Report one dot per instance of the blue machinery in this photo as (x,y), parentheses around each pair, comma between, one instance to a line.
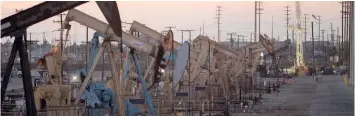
(98,96)
(94,49)
(132,111)
(16,24)
(156,51)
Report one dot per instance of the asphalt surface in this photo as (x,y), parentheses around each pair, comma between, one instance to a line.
(329,97)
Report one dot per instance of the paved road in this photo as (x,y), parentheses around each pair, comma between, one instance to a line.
(330,97)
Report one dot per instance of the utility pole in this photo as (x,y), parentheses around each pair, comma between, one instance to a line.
(319,30)
(200,30)
(315,17)
(170,27)
(341,59)
(218,22)
(255,18)
(323,45)
(203,28)
(287,28)
(338,43)
(87,49)
(61,51)
(30,43)
(345,33)
(25,40)
(244,40)
(332,39)
(293,36)
(259,13)
(231,39)
(348,33)
(44,36)
(287,21)
(319,26)
(61,32)
(272,27)
(189,34)
(305,32)
(313,65)
(238,40)
(182,36)
(189,68)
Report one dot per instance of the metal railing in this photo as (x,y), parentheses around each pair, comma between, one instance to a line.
(63,111)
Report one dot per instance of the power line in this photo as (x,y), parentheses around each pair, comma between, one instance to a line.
(43,32)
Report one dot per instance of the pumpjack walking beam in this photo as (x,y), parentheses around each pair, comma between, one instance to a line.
(26,79)
(35,14)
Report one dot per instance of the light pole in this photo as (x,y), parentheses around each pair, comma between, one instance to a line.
(313,37)
(313,66)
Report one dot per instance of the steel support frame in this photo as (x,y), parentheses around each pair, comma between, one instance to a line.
(19,45)
(144,84)
(35,14)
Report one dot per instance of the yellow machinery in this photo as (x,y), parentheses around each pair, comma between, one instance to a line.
(52,92)
(299,66)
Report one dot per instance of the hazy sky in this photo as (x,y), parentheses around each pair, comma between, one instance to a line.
(237,16)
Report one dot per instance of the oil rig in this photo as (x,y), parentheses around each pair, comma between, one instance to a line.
(183,78)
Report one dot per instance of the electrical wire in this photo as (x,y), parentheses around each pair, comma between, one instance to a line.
(42,32)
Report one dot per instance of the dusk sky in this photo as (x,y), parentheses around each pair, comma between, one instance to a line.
(237,16)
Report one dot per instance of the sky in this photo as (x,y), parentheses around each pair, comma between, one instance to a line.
(237,16)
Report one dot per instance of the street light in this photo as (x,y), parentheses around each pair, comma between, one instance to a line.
(313,66)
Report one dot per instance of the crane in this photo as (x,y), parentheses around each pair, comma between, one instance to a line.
(299,67)
(299,45)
